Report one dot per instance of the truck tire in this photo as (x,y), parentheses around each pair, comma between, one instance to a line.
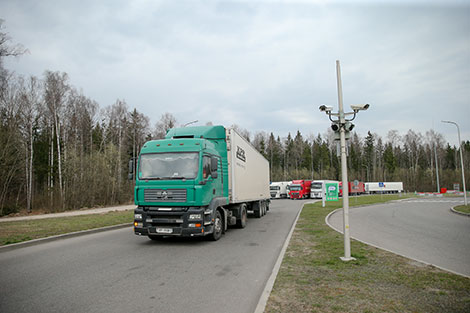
(218,227)
(257,209)
(241,223)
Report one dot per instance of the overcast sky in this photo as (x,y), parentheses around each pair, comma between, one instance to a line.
(264,65)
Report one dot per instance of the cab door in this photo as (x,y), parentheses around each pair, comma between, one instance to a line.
(212,176)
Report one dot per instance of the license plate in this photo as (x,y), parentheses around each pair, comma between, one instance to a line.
(164,230)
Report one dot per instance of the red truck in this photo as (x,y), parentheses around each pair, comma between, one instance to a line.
(300,189)
(353,189)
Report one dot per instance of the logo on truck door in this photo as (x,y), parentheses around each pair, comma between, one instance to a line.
(241,154)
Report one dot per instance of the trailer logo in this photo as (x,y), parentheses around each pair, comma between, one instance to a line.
(241,154)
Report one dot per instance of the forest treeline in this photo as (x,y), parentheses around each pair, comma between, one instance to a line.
(60,150)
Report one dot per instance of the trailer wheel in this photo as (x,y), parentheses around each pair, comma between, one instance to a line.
(241,223)
(218,227)
(257,210)
(263,208)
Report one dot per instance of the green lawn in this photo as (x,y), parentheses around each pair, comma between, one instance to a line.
(13,232)
(463,208)
(312,278)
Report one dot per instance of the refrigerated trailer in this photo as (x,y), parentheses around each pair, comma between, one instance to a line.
(384,187)
(198,181)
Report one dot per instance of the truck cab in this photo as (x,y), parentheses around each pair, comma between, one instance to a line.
(300,189)
(184,185)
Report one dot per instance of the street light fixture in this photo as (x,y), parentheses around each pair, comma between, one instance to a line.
(189,123)
(461,160)
(343,125)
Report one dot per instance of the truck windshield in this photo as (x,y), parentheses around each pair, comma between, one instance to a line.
(169,165)
(274,187)
(295,187)
(317,186)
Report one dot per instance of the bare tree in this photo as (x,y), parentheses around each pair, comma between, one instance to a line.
(117,117)
(7,49)
(11,154)
(167,121)
(242,131)
(55,95)
(30,97)
(139,128)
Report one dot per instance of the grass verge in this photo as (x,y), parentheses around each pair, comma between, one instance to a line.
(312,278)
(13,232)
(463,208)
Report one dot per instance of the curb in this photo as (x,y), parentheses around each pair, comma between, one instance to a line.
(457,212)
(38,241)
(277,266)
(396,253)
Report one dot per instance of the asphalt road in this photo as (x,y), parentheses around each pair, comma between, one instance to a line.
(117,271)
(421,229)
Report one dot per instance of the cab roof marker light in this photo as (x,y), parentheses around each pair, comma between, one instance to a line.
(181,144)
(158,145)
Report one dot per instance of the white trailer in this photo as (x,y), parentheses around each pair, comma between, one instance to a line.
(248,170)
(383,187)
(279,189)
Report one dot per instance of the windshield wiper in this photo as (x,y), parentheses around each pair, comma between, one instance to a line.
(163,178)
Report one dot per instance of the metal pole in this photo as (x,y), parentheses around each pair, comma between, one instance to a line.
(344,173)
(461,161)
(461,164)
(437,170)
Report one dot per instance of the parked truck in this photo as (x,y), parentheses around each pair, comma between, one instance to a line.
(198,181)
(300,189)
(354,189)
(279,189)
(384,187)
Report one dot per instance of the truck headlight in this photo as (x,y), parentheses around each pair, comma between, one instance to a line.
(138,217)
(195,216)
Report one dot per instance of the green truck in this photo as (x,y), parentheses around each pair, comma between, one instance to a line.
(197,182)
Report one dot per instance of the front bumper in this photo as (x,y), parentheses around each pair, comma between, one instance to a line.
(174,221)
(295,196)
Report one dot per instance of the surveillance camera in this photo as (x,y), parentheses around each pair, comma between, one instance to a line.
(348,126)
(325,108)
(359,107)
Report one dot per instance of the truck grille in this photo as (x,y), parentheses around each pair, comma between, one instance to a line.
(161,195)
(171,220)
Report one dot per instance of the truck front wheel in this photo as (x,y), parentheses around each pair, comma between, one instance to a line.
(217,233)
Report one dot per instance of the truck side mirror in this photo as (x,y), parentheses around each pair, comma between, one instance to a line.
(214,163)
(131,169)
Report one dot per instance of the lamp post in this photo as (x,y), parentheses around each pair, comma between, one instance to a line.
(189,123)
(461,160)
(343,126)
